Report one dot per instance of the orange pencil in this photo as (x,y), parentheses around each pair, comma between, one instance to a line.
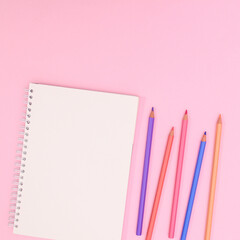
(160,184)
(214,178)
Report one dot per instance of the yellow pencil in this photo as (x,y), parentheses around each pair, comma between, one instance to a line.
(214,178)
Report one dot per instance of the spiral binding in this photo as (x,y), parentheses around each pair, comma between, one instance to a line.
(20,164)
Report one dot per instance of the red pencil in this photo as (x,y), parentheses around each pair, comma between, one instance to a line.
(160,184)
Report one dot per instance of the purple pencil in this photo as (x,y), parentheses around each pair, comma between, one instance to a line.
(145,173)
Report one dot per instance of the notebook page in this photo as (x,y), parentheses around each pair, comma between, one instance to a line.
(77,164)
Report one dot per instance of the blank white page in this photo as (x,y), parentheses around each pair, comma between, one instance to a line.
(78,154)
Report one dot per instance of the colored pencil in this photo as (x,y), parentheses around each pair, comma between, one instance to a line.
(214,178)
(178,176)
(145,173)
(160,184)
(194,187)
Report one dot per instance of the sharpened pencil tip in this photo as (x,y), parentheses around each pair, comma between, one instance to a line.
(220,119)
(172,132)
(185,117)
(152,113)
(204,137)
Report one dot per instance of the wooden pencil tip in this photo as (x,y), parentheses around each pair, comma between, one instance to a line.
(172,131)
(185,117)
(204,137)
(152,113)
(220,118)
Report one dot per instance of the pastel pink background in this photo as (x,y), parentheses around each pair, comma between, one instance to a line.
(174,54)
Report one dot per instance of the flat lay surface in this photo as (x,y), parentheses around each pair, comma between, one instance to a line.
(173,55)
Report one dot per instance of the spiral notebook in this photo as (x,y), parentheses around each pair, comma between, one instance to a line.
(74,164)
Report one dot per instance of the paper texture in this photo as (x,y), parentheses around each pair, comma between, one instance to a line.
(77,164)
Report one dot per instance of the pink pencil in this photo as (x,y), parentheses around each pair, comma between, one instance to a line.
(178,176)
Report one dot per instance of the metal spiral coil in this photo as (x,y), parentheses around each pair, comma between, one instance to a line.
(20,164)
